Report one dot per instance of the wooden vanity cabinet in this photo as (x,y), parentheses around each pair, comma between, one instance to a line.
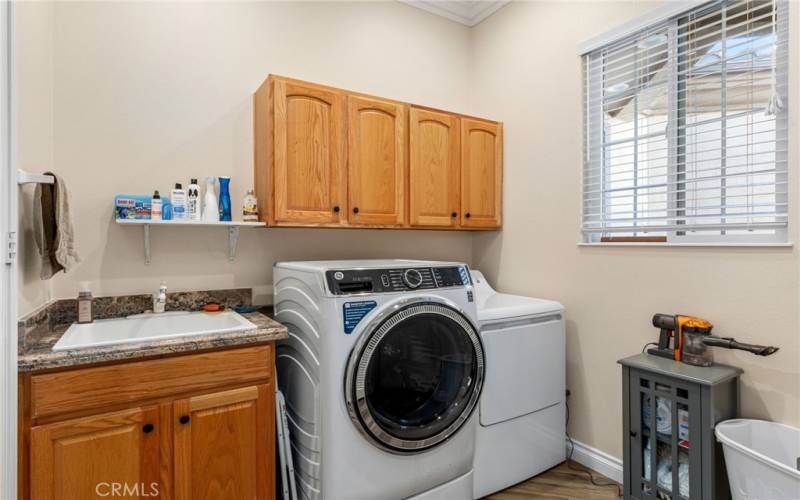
(86,457)
(219,442)
(434,169)
(376,161)
(185,427)
(481,173)
(326,157)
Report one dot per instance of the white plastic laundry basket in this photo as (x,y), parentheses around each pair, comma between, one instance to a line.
(761,458)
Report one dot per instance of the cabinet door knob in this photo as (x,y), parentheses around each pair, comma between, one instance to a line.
(184,419)
(634,434)
(454,215)
(355,210)
(336,209)
(148,428)
(467,215)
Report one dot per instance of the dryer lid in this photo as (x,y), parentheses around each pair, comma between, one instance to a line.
(493,306)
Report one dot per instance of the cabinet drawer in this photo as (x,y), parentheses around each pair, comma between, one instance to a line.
(102,386)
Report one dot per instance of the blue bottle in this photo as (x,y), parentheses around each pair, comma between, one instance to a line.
(166,209)
(224,199)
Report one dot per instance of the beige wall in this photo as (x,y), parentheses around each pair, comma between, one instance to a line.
(528,74)
(147,94)
(33,69)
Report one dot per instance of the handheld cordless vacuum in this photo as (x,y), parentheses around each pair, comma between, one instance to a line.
(687,339)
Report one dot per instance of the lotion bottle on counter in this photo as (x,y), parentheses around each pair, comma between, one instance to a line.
(85,304)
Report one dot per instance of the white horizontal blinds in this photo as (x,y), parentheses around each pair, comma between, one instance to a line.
(677,139)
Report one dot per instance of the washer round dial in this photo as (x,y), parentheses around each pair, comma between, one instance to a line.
(412,278)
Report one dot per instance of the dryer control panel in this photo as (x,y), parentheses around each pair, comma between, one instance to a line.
(354,281)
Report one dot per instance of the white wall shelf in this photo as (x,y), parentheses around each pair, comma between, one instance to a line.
(232,226)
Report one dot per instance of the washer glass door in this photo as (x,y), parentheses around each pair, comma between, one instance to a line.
(416,378)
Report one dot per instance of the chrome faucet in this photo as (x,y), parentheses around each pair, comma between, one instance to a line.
(160,299)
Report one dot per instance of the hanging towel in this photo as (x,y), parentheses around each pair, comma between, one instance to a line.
(53,229)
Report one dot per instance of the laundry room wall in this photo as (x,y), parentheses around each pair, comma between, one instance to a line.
(146,94)
(527,73)
(33,124)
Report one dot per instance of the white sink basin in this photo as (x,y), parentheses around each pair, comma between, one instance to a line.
(148,327)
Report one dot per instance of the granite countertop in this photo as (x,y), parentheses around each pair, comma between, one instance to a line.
(36,343)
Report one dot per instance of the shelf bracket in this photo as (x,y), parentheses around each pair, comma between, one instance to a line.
(146,244)
(233,240)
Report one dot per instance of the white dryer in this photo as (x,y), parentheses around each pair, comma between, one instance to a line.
(381,372)
(522,410)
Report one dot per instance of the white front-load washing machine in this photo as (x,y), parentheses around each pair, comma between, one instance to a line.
(381,373)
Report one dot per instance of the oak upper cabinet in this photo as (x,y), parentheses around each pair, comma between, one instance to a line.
(326,157)
(87,457)
(434,168)
(376,161)
(481,173)
(221,444)
(299,153)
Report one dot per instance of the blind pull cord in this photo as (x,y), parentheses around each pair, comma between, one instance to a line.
(775,103)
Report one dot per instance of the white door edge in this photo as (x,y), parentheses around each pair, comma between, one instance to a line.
(8,266)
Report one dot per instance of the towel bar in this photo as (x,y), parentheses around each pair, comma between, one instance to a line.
(24,177)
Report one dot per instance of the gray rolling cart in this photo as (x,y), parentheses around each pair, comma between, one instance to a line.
(669,413)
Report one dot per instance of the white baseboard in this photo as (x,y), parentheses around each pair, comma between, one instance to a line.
(597,460)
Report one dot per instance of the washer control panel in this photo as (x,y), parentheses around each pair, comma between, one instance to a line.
(355,281)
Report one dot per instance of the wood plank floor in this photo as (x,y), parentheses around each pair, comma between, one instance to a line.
(559,483)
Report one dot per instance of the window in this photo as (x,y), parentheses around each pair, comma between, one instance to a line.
(685,129)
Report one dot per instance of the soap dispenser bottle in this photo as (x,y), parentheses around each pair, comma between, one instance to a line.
(85,304)
(160,299)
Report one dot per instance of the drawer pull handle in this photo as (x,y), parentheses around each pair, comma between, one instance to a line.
(184,419)
(148,428)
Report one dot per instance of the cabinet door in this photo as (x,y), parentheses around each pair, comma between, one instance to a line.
(376,165)
(308,153)
(103,455)
(481,173)
(224,445)
(434,168)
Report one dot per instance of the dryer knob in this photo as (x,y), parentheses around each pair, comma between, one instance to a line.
(412,278)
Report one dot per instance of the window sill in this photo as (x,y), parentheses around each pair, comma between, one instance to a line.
(690,245)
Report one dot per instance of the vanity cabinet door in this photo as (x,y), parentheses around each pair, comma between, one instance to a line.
(224,445)
(308,154)
(434,168)
(481,173)
(376,164)
(111,454)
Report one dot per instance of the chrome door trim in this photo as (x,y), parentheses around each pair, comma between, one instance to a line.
(372,334)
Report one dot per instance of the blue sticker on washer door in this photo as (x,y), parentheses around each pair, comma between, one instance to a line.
(354,312)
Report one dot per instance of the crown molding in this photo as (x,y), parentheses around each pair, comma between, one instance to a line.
(466,12)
